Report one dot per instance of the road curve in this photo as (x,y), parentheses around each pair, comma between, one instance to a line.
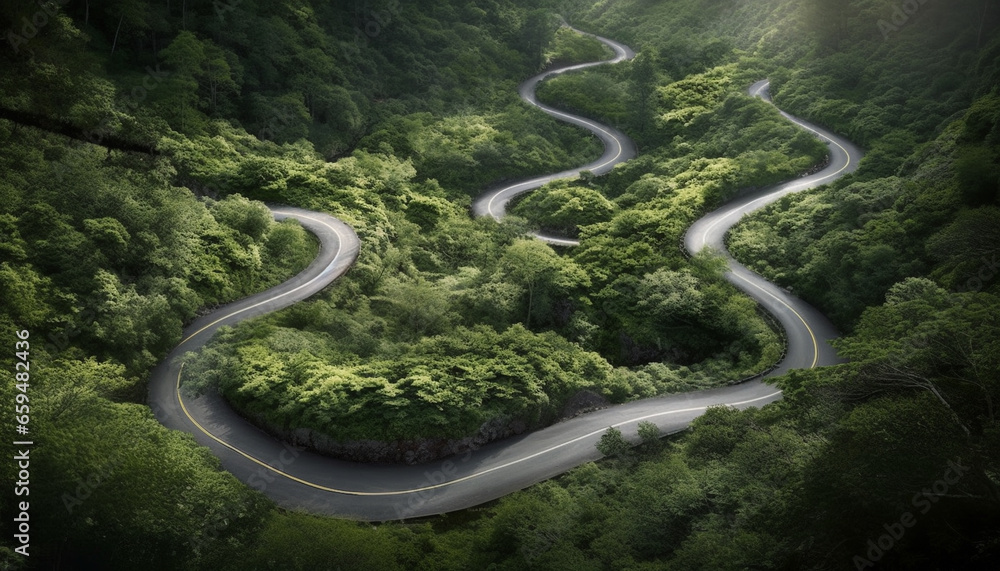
(297,478)
(808,331)
(618,147)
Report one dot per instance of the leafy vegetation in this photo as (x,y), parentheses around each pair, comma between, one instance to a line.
(441,275)
(709,141)
(803,483)
(854,241)
(110,252)
(569,47)
(443,386)
(132,219)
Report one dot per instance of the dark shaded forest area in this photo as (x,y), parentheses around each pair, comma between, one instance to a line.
(140,138)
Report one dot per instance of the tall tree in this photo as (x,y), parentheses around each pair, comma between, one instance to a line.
(542,272)
(537,30)
(186,57)
(643,77)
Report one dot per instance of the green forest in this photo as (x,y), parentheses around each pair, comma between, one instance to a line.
(141,141)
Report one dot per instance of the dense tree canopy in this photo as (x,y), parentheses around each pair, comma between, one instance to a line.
(138,139)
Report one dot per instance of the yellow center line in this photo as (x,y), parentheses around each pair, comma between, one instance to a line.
(450,482)
(340,243)
(811,183)
(480,473)
(790,308)
(808,184)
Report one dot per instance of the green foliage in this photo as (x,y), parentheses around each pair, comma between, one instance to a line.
(466,152)
(119,259)
(836,433)
(104,458)
(854,241)
(689,37)
(805,480)
(447,322)
(597,93)
(710,143)
(612,443)
(562,207)
(966,250)
(930,340)
(442,386)
(545,275)
(649,433)
(687,99)
(297,541)
(569,47)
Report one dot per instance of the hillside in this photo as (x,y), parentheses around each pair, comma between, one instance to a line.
(139,139)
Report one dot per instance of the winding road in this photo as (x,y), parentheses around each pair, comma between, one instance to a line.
(297,478)
(618,147)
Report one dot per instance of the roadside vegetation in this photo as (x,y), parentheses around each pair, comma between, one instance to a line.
(392,115)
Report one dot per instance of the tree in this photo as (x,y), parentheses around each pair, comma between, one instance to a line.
(262,178)
(25,295)
(217,73)
(106,458)
(301,542)
(925,340)
(649,433)
(537,31)
(670,298)
(132,327)
(251,219)
(185,55)
(643,77)
(133,15)
(829,19)
(968,249)
(541,271)
(420,308)
(564,207)
(287,248)
(612,443)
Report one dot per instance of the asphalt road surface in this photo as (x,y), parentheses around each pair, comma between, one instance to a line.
(297,478)
(618,147)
